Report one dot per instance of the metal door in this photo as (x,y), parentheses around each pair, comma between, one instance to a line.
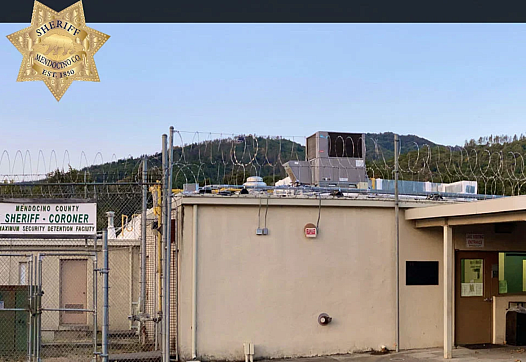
(476,284)
(73,289)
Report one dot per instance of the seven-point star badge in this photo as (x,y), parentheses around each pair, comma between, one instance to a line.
(58,48)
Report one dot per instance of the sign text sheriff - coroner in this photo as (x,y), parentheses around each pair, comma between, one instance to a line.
(48,219)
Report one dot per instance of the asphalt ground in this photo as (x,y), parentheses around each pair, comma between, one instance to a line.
(460,354)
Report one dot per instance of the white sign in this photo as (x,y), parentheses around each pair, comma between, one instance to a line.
(49,219)
(471,289)
(475,240)
(311,232)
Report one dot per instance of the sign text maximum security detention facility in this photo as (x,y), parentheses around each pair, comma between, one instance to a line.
(48,219)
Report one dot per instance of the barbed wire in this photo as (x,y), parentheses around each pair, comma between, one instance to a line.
(227,158)
(497,168)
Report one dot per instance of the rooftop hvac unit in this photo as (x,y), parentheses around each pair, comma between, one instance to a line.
(333,159)
(336,145)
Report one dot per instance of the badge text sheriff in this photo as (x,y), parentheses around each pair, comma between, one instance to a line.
(57,24)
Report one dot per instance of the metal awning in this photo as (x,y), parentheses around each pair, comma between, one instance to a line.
(506,209)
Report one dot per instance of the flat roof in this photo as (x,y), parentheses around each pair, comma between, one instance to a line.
(303,200)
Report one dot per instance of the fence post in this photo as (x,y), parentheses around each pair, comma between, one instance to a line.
(143,234)
(168,243)
(30,304)
(39,307)
(33,305)
(163,248)
(94,296)
(105,316)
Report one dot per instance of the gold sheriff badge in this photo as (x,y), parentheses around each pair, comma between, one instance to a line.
(58,48)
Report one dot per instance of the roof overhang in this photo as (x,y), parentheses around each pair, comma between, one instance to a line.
(506,209)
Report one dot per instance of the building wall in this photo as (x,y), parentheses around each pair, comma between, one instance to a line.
(269,290)
(421,306)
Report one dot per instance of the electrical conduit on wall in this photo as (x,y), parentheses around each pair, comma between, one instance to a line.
(194,283)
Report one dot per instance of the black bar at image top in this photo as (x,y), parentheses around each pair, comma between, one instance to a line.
(278,11)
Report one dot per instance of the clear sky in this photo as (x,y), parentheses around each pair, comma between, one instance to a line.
(444,82)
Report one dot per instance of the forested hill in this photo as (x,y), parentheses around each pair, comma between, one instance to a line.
(378,144)
(497,163)
(232,160)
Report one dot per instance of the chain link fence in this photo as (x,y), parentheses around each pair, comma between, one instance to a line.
(51,291)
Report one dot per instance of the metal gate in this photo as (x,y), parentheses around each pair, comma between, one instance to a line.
(16,304)
(66,322)
(41,319)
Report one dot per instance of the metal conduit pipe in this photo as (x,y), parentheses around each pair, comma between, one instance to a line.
(159,249)
(159,261)
(156,195)
(194,283)
(130,285)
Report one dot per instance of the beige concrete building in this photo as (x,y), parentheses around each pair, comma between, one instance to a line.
(458,270)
